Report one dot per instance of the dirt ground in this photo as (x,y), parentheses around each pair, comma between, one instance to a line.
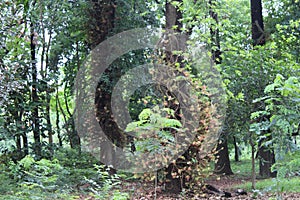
(226,183)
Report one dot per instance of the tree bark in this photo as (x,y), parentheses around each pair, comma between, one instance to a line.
(253,172)
(74,138)
(25,144)
(34,94)
(102,22)
(222,165)
(258,35)
(215,36)
(266,158)
(236,150)
(57,118)
(49,126)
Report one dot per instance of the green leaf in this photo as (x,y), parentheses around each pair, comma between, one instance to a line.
(145,114)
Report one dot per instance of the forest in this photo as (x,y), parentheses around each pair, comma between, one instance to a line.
(149,99)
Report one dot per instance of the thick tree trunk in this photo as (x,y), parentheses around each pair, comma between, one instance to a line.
(102,22)
(102,19)
(173,16)
(222,165)
(266,159)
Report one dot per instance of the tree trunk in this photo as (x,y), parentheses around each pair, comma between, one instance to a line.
(34,95)
(222,165)
(173,16)
(215,36)
(25,144)
(253,173)
(74,138)
(18,143)
(102,22)
(57,117)
(49,126)
(102,18)
(73,135)
(266,159)
(258,35)
(223,162)
(236,150)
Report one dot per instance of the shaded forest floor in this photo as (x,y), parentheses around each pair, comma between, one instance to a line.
(241,180)
(76,187)
(146,191)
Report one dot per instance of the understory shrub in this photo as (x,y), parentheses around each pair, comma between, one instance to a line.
(65,174)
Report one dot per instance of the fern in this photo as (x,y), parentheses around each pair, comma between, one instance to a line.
(154,130)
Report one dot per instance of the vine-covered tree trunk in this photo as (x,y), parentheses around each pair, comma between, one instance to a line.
(173,16)
(265,154)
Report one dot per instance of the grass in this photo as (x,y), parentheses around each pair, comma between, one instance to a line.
(273,185)
(243,168)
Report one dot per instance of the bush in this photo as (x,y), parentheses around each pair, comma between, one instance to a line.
(51,179)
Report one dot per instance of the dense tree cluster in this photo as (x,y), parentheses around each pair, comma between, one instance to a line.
(253,49)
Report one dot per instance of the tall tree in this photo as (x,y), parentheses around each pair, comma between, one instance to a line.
(34,87)
(173,16)
(266,154)
(185,170)
(109,17)
(222,166)
(103,17)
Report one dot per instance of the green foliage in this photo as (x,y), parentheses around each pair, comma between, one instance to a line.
(282,105)
(42,174)
(7,184)
(289,166)
(109,187)
(55,179)
(260,81)
(153,129)
(286,168)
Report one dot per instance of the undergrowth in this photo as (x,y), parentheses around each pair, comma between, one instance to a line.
(67,176)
